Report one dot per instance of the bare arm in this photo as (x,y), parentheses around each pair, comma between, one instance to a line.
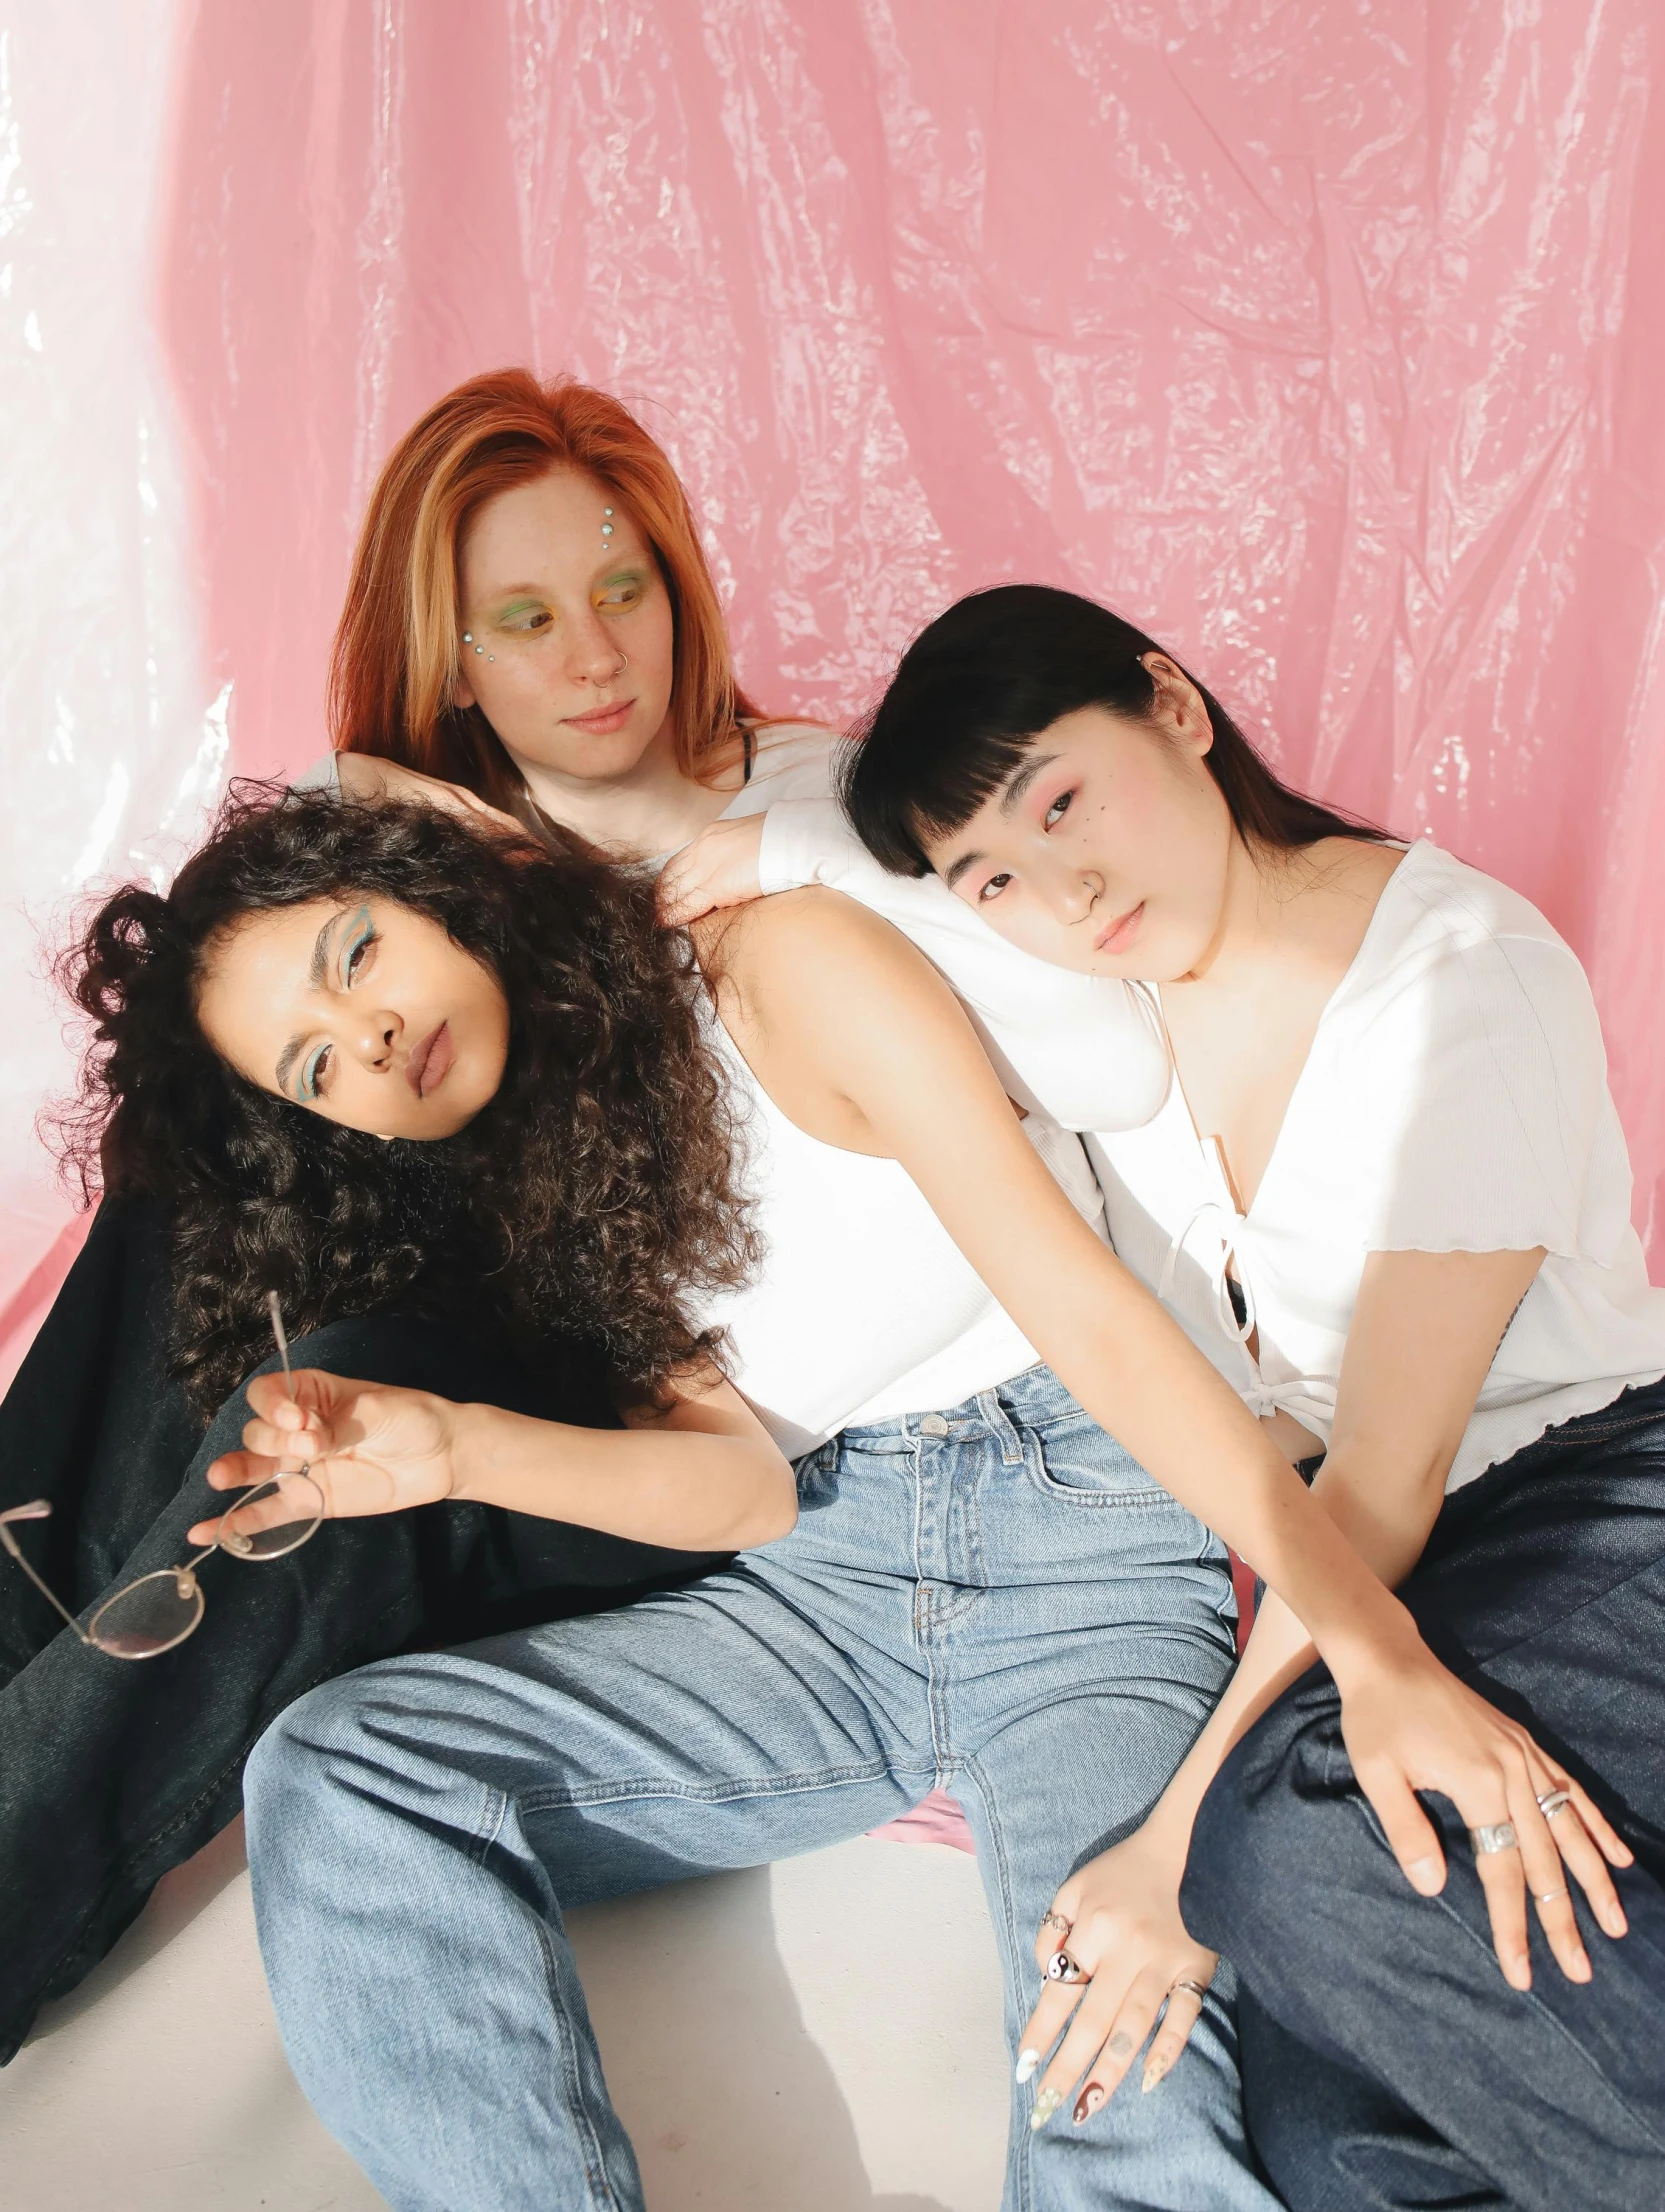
(369,777)
(700,1474)
(1436,1317)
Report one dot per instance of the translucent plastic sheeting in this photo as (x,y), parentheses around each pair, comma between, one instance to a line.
(1323,339)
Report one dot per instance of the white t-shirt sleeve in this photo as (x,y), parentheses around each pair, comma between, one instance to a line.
(323,775)
(807,841)
(1484,1082)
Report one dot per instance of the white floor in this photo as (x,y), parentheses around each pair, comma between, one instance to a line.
(822,2035)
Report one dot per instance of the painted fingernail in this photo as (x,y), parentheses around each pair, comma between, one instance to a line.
(1519,1974)
(1046,2104)
(1614,1921)
(1088,2102)
(1580,1967)
(1155,2068)
(1426,1876)
(1027,2065)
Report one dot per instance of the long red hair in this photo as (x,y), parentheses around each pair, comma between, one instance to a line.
(396,659)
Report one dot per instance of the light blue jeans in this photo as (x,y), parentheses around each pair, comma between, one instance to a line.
(996,1597)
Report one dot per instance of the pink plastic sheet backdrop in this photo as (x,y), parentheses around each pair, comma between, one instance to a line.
(1324,339)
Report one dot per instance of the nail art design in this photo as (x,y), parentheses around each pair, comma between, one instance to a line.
(1046,2104)
(1028,2065)
(1088,2102)
(1155,2068)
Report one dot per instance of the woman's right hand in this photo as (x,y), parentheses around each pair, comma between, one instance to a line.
(369,1447)
(366,776)
(1411,1726)
(717,868)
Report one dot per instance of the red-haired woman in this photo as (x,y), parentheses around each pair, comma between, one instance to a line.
(531,622)
(530,626)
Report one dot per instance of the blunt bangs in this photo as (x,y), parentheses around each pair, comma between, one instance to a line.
(972,694)
(982,683)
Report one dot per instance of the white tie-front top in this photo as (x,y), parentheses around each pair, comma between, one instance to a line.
(1455,1100)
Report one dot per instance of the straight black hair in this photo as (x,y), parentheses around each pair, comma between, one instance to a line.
(979,685)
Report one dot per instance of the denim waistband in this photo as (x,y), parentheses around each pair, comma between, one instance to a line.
(1028,1399)
(1574,1447)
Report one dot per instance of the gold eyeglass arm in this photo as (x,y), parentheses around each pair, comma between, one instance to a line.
(36,1510)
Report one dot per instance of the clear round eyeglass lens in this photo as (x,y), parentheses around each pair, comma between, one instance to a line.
(275,1518)
(148,1617)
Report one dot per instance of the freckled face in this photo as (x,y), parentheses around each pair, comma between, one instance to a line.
(570,654)
(361,1011)
(1106,852)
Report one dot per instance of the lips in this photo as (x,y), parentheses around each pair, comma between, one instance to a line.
(1119,936)
(428,1065)
(603,721)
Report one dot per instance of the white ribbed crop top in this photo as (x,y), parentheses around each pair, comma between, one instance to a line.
(863,1307)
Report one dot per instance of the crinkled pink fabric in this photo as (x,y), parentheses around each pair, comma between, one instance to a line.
(1324,340)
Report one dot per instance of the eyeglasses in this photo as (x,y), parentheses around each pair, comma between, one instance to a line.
(161,1609)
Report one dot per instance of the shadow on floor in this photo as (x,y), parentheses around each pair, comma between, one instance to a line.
(761,2048)
(729,2098)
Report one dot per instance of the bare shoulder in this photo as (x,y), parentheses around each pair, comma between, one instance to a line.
(812,935)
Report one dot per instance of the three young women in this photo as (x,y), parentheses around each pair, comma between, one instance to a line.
(982,1587)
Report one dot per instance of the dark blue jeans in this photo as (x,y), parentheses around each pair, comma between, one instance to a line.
(112,1771)
(1386,2062)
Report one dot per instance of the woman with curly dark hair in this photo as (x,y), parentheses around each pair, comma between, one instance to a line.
(538,1258)
(460,1074)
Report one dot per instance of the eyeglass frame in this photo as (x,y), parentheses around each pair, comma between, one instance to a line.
(226,1539)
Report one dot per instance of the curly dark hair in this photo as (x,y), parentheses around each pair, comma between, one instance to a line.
(592,1198)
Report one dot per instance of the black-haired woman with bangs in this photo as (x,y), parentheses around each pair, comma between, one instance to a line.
(1388,1195)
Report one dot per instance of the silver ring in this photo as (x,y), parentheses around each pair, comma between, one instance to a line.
(1199,1990)
(1498,1836)
(1050,1919)
(1062,1968)
(1553,1802)
(1548,1896)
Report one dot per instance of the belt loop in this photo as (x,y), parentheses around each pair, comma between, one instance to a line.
(1000,1425)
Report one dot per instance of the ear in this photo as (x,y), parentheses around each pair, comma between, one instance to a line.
(462,693)
(1178,707)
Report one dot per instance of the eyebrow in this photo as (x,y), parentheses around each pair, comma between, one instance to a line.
(615,565)
(315,978)
(1016,784)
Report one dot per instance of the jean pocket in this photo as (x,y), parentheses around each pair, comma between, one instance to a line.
(1073,1460)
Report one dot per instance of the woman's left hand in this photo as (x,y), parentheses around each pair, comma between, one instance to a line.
(1414,1728)
(1126,1936)
(719,868)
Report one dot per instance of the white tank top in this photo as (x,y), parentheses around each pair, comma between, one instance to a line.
(863,1307)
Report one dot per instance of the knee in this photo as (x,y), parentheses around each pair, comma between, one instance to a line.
(292,1764)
